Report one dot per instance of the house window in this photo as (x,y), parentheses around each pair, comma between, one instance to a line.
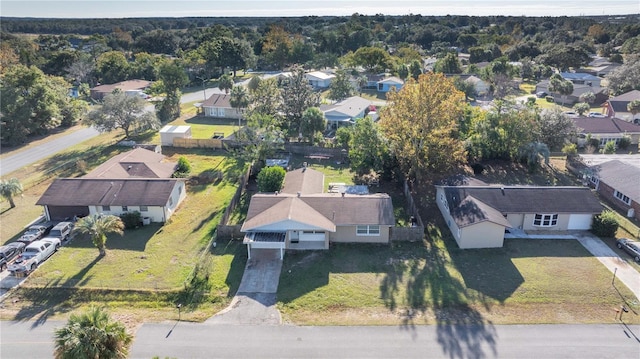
(622,197)
(444,201)
(179,190)
(170,201)
(106,208)
(373,230)
(221,112)
(595,180)
(144,209)
(125,209)
(545,220)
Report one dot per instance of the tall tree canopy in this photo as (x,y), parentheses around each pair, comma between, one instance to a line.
(120,111)
(297,96)
(420,123)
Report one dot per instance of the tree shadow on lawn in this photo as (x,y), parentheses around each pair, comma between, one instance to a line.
(204,120)
(236,269)
(133,239)
(461,329)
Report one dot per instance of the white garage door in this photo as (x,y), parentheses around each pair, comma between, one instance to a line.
(579,221)
(311,236)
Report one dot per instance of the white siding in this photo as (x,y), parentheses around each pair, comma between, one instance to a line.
(482,235)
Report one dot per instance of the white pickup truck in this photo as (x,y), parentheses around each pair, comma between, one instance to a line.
(34,254)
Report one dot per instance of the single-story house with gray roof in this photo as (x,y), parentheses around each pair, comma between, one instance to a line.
(619,182)
(345,111)
(303,216)
(478,216)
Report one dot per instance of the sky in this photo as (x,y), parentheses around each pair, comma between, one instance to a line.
(286,8)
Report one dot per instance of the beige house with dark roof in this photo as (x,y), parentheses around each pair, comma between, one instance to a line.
(100,91)
(219,105)
(302,216)
(138,180)
(478,216)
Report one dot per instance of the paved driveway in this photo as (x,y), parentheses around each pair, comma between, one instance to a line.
(255,302)
(625,273)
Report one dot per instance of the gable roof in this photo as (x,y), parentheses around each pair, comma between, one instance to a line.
(349,107)
(323,210)
(578,89)
(304,180)
(218,100)
(140,163)
(620,176)
(320,75)
(619,103)
(108,192)
(605,125)
(471,211)
(391,80)
(579,76)
(524,199)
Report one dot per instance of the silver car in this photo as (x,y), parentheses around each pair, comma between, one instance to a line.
(630,246)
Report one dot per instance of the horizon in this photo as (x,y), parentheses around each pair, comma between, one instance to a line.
(123,9)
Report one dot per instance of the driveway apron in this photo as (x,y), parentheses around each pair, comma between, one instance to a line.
(625,273)
(256,298)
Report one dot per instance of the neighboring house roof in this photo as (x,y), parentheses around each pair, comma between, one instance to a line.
(320,75)
(579,76)
(175,129)
(124,86)
(140,163)
(347,108)
(108,192)
(578,89)
(314,208)
(470,204)
(218,100)
(605,125)
(619,103)
(391,80)
(620,176)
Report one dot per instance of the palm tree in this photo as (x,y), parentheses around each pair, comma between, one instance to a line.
(10,188)
(634,108)
(239,100)
(97,226)
(225,83)
(92,335)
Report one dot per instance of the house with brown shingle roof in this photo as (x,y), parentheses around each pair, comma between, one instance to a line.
(618,182)
(617,106)
(100,91)
(607,129)
(138,180)
(478,216)
(219,105)
(302,216)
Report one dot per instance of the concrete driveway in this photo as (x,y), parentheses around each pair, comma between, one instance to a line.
(256,298)
(625,273)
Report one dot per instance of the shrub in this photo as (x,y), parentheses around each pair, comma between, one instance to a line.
(593,142)
(183,169)
(605,224)
(549,99)
(624,143)
(609,148)
(570,149)
(270,179)
(131,219)
(531,101)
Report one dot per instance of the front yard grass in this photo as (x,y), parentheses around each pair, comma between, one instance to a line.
(527,281)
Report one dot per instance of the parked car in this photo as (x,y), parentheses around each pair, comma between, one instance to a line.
(33,233)
(571,114)
(34,254)
(61,230)
(630,246)
(541,94)
(596,114)
(8,252)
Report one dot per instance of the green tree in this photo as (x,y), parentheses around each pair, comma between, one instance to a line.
(367,148)
(563,87)
(373,59)
(253,83)
(120,111)
(270,179)
(588,97)
(605,224)
(259,139)
(266,99)
(609,148)
(239,100)
(276,47)
(448,64)
(415,68)
(297,96)
(626,77)
(10,188)
(581,108)
(183,168)
(313,121)
(340,87)
(420,125)
(92,335)
(634,107)
(554,128)
(225,83)
(343,136)
(533,152)
(173,78)
(112,67)
(97,226)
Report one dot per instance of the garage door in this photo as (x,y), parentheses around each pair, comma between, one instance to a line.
(311,236)
(59,213)
(579,221)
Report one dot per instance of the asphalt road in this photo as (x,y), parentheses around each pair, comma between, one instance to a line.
(188,340)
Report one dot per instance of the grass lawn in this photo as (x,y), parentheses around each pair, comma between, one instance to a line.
(524,282)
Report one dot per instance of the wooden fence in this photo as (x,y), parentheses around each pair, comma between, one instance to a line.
(226,231)
(414,233)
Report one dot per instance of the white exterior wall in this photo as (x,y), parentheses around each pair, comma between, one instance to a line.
(347,234)
(155,213)
(221,112)
(166,138)
(178,194)
(562,225)
(482,235)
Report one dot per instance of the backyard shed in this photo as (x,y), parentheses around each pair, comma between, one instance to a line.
(168,133)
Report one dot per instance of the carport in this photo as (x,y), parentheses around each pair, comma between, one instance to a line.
(265,240)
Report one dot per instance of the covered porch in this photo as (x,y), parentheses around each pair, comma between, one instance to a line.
(265,240)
